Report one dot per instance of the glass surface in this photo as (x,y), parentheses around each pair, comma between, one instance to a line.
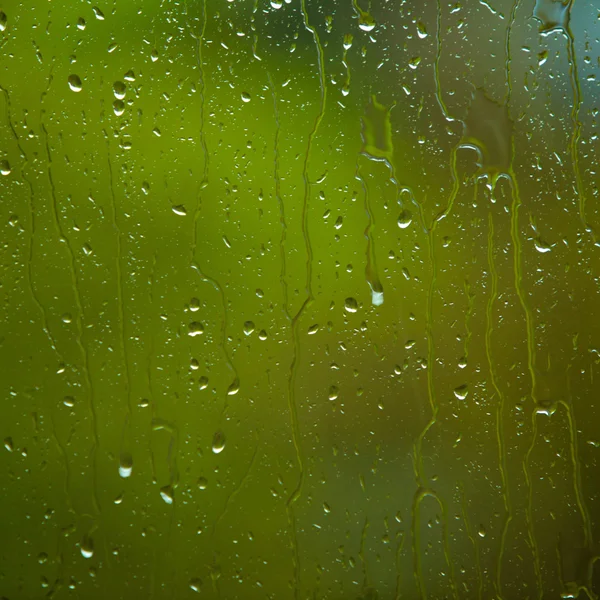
(300,299)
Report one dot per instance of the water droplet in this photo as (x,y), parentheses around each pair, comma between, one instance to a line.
(348,38)
(405,219)
(87,547)
(2,21)
(195,328)
(154,56)
(81,23)
(203,382)
(119,90)
(5,167)
(246,97)
(366,22)
(69,401)
(462,363)
(129,76)
(180,210)
(313,329)
(542,246)
(75,83)
(194,304)
(202,483)
(42,558)
(118,107)
(125,465)
(67,318)
(262,335)
(248,328)
(98,13)
(351,305)
(276,4)
(218,443)
(462,391)
(8,444)
(234,388)
(196,584)
(481,531)
(542,57)
(333,392)
(553,15)
(421,30)
(166,493)
(413,63)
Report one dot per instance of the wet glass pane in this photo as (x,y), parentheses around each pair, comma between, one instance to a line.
(300,299)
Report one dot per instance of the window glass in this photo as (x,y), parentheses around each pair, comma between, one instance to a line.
(300,299)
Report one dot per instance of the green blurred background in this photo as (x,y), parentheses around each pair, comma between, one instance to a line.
(300,299)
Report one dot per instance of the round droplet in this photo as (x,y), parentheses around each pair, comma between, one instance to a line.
(481,531)
(75,83)
(119,90)
(421,30)
(179,209)
(5,167)
(69,401)
(67,318)
(203,382)
(248,328)
(202,483)
(348,38)
(195,328)
(118,107)
(276,4)
(333,392)
(42,558)
(351,305)
(462,391)
(81,23)
(462,363)
(262,335)
(87,547)
(125,465)
(366,22)
(246,97)
(542,246)
(218,443)
(194,364)
(196,584)
(194,304)
(405,219)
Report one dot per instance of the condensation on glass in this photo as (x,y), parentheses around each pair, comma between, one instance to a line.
(300,299)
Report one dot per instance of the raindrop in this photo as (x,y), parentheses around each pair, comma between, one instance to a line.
(234,388)
(195,328)
(196,584)
(2,21)
(405,219)
(69,401)
(461,391)
(333,392)
(75,83)
(481,531)
(66,318)
(119,90)
(5,167)
(313,329)
(248,328)
(87,547)
(421,30)
(351,305)
(166,493)
(246,97)
(81,23)
(542,246)
(218,443)
(180,210)
(194,304)
(8,444)
(202,483)
(125,465)
(262,335)
(118,108)
(276,4)
(98,13)
(203,382)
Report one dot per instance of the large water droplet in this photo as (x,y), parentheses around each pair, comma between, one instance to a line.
(218,443)
(351,305)
(75,83)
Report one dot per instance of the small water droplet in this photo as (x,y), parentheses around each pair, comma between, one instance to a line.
(75,83)
(542,246)
(313,329)
(98,13)
(125,465)
(246,97)
(166,493)
(2,20)
(196,584)
(350,305)
(119,90)
(218,443)
(234,388)
(81,23)
(404,219)
(194,304)
(461,392)
(481,531)
(202,483)
(203,382)
(5,167)
(180,210)
(87,547)
(195,328)
(67,318)
(118,107)
(248,328)
(333,392)
(421,30)
(8,444)
(69,401)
